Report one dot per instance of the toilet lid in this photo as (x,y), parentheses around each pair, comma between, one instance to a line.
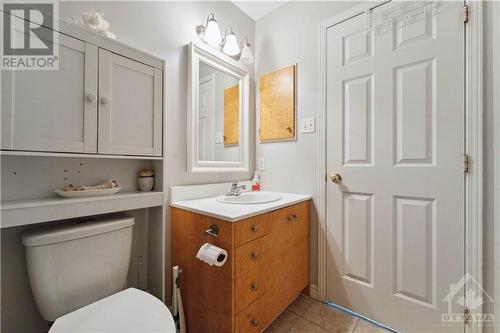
(130,310)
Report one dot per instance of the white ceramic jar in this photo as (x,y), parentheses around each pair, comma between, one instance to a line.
(146,183)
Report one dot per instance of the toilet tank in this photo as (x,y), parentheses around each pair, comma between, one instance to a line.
(74,264)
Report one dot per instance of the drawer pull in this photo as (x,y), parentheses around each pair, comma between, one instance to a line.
(254,255)
(255,227)
(254,286)
(292,217)
(254,322)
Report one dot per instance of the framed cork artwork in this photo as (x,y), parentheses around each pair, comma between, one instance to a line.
(278,105)
(231,115)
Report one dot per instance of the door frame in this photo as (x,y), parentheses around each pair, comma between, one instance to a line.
(473,145)
(496,145)
(204,79)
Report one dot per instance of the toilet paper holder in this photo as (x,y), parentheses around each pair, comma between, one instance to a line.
(212,231)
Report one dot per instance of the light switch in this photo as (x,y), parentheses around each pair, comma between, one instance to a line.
(308,125)
(260,164)
(219,137)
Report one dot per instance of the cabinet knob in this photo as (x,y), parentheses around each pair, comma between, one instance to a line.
(91,97)
(105,100)
(255,227)
(254,322)
(254,286)
(254,255)
(292,217)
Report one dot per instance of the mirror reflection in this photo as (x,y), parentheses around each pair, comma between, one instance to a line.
(218,115)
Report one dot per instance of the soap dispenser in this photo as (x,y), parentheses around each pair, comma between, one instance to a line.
(256,182)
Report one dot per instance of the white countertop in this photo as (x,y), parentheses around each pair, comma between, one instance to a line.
(235,212)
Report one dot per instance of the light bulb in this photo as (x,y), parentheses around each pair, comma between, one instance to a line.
(246,54)
(212,34)
(231,47)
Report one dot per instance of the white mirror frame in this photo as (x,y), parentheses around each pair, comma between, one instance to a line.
(224,63)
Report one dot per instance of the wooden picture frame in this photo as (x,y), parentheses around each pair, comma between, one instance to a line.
(231,115)
(277,118)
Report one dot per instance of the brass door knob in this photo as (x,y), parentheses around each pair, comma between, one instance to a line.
(336,178)
(254,227)
(254,286)
(254,322)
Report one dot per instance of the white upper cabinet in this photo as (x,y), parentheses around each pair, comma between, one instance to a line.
(53,110)
(130,104)
(105,98)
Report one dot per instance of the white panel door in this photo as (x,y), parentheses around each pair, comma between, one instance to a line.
(130,107)
(53,110)
(206,118)
(395,134)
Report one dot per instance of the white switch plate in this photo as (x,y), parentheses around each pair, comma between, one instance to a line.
(260,164)
(219,137)
(308,125)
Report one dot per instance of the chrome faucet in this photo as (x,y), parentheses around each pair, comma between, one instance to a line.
(235,189)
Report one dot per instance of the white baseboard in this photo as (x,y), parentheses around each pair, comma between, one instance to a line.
(313,291)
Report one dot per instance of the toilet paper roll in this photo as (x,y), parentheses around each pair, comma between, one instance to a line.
(212,255)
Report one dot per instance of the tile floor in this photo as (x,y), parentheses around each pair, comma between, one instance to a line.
(306,315)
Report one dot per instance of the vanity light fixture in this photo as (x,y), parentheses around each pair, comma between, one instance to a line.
(246,55)
(210,33)
(230,43)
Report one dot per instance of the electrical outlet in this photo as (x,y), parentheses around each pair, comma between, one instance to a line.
(260,164)
(308,125)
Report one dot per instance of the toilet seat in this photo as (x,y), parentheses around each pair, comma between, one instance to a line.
(130,310)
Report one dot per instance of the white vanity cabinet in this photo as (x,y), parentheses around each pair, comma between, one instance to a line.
(53,110)
(105,99)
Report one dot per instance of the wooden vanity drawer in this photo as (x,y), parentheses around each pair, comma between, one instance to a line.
(250,229)
(255,317)
(250,255)
(290,225)
(250,286)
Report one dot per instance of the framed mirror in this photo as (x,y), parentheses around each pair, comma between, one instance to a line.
(218,119)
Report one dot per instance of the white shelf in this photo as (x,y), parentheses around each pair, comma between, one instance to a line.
(24,212)
(77,155)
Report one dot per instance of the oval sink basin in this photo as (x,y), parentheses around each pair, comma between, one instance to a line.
(249,198)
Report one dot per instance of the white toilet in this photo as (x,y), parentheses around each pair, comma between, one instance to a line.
(77,273)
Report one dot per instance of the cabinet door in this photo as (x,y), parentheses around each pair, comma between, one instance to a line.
(130,116)
(53,110)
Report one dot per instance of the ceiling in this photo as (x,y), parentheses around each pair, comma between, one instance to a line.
(257,9)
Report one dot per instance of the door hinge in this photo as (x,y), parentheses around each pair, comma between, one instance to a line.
(466,163)
(466,315)
(466,13)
